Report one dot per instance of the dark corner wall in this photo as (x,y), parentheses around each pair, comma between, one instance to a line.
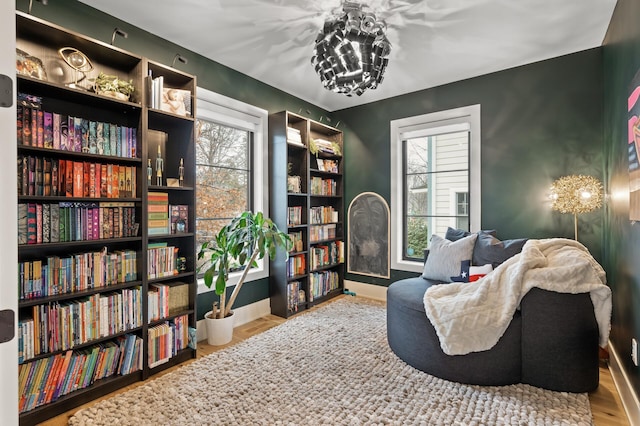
(621,246)
(211,75)
(539,122)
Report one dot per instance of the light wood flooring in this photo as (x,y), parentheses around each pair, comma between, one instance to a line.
(605,402)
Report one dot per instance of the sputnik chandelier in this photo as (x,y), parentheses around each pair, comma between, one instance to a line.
(350,54)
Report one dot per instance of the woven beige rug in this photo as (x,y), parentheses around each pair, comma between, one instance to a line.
(331,366)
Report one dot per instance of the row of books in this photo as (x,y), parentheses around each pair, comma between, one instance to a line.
(165,300)
(321,186)
(45,129)
(295,295)
(322,214)
(78,272)
(167,339)
(322,232)
(60,326)
(294,215)
(42,176)
(69,221)
(161,260)
(47,379)
(296,265)
(325,255)
(322,283)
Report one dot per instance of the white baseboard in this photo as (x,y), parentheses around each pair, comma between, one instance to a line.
(371,291)
(625,389)
(243,315)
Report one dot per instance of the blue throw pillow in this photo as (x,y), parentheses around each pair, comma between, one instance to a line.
(453,234)
(489,249)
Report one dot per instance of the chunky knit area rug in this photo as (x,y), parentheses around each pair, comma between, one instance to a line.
(331,366)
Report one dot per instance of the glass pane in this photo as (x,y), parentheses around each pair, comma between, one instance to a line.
(417,238)
(451,152)
(462,223)
(417,156)
(417,195)
(221,193)
(206,229)
(221,145)
(443,188)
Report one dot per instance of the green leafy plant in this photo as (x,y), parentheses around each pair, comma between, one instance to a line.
(313,147)
(111,83)
(248,238)
(336,148)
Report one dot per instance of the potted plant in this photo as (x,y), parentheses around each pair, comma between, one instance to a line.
(111,85)
(248,238)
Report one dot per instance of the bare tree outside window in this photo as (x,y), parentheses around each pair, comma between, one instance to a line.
(223,176)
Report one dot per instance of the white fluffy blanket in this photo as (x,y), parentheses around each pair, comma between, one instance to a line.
(471,317)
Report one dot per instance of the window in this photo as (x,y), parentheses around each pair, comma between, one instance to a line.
(435,178)
(231,168)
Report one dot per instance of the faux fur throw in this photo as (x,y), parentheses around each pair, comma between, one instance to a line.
(471,317)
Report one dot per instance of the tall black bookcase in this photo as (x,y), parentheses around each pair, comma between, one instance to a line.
(306,199)
(93,257)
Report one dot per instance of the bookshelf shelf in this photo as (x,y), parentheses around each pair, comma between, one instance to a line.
(89,343)
(81,396)
(111,144)
(292,165)
(24,303)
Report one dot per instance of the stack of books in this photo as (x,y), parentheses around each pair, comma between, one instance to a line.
(294,137)
(325,146)
(158,213)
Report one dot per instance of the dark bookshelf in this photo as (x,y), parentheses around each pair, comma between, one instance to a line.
(293,158)
(42,40)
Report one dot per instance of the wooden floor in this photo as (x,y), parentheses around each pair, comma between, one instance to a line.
(605,402)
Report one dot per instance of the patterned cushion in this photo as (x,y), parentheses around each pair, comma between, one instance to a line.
(446,256)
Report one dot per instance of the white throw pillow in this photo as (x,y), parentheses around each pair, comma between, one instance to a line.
(445,257)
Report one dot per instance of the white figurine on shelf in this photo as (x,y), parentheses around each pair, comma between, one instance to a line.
(159,167)
(181,173)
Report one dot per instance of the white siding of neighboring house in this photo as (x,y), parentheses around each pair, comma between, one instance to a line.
(450,152)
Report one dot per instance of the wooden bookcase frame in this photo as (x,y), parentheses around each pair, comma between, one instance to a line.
(295,159)
(42,40)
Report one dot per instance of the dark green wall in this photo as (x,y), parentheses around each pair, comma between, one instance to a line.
(210,75)
(539,122)
(621,238)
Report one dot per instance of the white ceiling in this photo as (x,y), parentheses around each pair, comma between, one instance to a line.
(434,42)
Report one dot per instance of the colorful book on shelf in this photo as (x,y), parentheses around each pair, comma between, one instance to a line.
(179,215)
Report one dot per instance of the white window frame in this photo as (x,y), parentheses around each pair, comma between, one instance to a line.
(231,112)
(457,119)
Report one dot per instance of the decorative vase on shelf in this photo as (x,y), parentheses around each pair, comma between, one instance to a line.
(115,95)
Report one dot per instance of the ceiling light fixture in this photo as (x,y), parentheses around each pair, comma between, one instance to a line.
(350,53)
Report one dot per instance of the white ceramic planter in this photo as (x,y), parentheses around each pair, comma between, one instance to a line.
(219,331)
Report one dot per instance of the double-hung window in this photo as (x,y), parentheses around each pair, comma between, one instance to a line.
(435,168)
(231,169)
